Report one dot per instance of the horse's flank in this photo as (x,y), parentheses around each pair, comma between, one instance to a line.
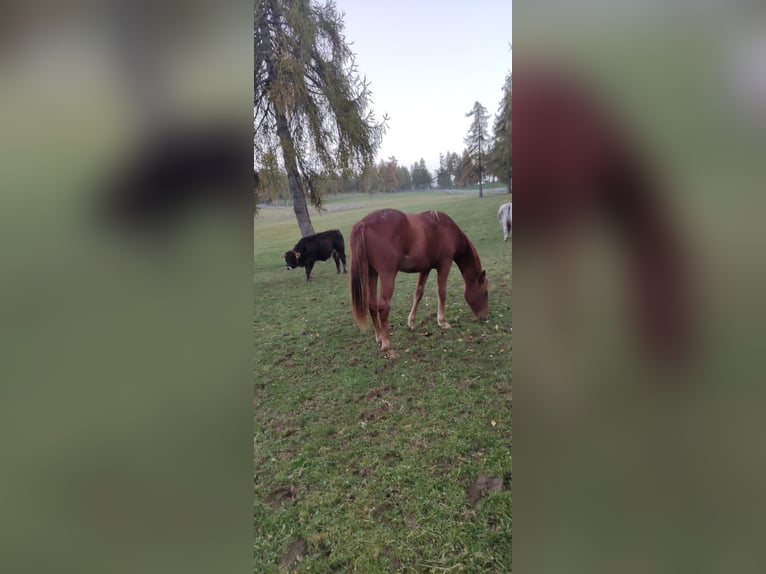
(505,217)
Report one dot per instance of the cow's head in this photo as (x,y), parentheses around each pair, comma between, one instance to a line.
(291,259)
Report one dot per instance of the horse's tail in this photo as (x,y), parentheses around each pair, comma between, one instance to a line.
(360,277)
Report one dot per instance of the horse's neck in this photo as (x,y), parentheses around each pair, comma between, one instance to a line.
(467,260)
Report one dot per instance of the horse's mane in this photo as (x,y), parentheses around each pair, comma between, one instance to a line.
(466,254)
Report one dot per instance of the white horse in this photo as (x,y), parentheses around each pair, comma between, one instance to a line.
(505,216)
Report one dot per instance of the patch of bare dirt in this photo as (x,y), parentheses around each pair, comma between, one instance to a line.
(410,521)
(377,393)
(481,486)
(294,555)
(278,497)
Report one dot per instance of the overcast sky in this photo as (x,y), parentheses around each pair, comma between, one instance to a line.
(428,61)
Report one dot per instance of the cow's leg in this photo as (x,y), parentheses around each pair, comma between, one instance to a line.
(309,267)
(422,277)
(442,274)
(342,255)
(384,308)
(373,302)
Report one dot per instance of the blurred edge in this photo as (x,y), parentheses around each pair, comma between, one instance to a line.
(626,463)
(126,223)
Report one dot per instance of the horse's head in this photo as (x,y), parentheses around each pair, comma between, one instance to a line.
(291,259)
(477,296)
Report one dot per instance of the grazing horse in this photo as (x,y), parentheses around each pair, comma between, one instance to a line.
(388,241)
(504,215)
(574,160)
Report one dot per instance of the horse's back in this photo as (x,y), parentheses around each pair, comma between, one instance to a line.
(409,242)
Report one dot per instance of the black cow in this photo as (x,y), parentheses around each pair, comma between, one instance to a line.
(315,248)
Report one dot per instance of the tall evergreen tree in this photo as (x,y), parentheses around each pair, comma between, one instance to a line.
(421,177)
(500,161)
(403,177)
(453,166)
(309,98)
(476,140)
(443,179)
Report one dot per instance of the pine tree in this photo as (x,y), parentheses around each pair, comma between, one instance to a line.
(500,161)
(476,142)
(421,177)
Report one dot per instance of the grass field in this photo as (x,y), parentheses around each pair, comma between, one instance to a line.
(364,464)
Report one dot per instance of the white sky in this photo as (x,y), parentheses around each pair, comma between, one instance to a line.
(428,61)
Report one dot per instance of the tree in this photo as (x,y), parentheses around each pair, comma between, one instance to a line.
(272,179)
(476,138)
(453,166)
(449,171)
(372,181)
(309,98)
(403,177)
(500,160)
(421,177)
(443,179)
(468,169)
(390,181)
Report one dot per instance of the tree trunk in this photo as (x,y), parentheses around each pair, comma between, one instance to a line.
(293,176)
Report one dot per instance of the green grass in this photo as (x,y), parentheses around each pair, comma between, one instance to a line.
(369,462)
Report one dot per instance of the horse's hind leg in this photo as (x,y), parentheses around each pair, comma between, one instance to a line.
(384,308)
(373,298)
(422,277)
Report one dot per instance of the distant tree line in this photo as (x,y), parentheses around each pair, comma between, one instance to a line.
(456,170)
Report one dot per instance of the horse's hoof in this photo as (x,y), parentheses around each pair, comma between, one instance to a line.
(445,325)
(391,354)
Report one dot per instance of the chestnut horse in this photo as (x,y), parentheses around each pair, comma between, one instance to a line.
(388,241)
(574,159)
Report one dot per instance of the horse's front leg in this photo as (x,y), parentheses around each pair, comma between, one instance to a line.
(422,277)
(442,274)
